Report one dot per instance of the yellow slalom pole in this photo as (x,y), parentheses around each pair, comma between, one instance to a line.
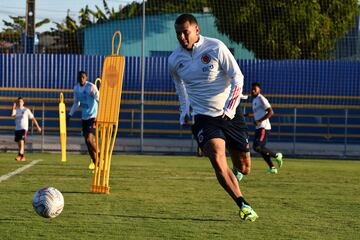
(62,120)
(108,116)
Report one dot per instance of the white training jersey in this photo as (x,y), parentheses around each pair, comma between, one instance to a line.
(259,106)
(22,116)
(208,78)
(87,98)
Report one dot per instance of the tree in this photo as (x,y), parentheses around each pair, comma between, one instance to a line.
(18,24)
(11,36)
(286,29)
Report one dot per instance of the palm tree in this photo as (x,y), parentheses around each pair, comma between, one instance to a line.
(18,24)
(11,36)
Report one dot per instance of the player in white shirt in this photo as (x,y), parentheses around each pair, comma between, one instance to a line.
(208,78)
(22,116)
(262,112)
(86,96)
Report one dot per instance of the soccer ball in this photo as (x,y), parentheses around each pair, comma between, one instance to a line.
(48,202)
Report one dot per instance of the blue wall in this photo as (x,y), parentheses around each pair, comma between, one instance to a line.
(323,93)
(287,77)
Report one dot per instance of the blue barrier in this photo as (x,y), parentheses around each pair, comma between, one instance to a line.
(325,93)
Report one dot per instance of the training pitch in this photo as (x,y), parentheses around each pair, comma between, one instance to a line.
(178,197)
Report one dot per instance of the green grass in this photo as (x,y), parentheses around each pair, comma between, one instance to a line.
(177,197)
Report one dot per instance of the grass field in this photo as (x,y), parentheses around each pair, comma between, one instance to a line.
(177,197)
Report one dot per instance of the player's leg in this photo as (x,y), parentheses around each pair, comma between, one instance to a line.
(89,131)
(216,152)
(91,145)
(237,136)
(241,163)
(212,142)
(21,147)
(20,139)
(259,146)
(17,139)
(246,211)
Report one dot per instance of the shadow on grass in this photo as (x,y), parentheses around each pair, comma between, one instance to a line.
(164,217)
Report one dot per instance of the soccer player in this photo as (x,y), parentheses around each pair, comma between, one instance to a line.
(208,78)
(86,96)
(262,112)
(22,116)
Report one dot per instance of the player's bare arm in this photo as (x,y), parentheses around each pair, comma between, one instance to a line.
(37,125)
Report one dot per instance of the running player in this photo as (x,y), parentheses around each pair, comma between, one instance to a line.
(262,112)
(86,96)
(207,77)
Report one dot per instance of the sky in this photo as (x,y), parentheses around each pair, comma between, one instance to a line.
(55,10)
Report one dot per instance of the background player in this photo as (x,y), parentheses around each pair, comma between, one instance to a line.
(262,112)
(86,96)
(22,116)
(207,77)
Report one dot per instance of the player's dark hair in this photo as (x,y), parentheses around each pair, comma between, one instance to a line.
(183,18)
(256,84)
(20,98)
(81,73)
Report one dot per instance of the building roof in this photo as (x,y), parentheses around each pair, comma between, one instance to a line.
(159,33)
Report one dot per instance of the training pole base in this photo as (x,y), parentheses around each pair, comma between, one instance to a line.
(100,189)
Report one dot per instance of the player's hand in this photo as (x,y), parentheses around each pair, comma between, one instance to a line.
(224,117)
(39,129)
(257,123)
(187,122)
(14,105)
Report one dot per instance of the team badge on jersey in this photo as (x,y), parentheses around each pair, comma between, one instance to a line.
(205,58)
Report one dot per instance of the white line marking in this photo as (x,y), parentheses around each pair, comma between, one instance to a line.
(19,170)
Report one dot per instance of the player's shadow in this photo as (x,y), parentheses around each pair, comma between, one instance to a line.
(33,191)
(164,218)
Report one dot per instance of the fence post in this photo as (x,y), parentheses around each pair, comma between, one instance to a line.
(32,123)
(346,132)
(294,132)
(132,122)
(42,126)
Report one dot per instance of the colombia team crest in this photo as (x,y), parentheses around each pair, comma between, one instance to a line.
(205,58)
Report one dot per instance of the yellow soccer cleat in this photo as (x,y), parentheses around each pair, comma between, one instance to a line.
(247,213)
(91,165)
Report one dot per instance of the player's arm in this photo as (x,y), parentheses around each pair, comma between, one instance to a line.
(31,116)
(268,114)
(94,92)
(232,69)
(36,124)
(183,98)
(249,114)
(74,107)
(13,111)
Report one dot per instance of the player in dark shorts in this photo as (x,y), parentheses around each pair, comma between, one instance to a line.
(22,116)
(208,78)
(86,96)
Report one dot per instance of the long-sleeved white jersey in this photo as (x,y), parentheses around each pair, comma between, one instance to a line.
(208,78)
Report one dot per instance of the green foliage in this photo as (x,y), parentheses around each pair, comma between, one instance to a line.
(175,6)
(18,24)
(286,29)
(13,30)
